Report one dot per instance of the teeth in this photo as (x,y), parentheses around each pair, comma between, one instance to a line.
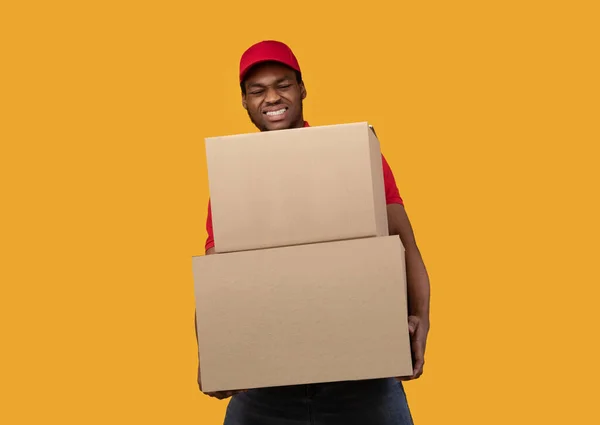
(281,111)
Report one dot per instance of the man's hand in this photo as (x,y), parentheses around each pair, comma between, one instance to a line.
(417,287)
(418,330)
(220,395)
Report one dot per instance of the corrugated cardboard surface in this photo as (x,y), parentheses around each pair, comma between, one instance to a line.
(323,312)
(296,186)
(381,220)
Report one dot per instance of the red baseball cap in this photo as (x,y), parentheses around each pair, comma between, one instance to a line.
(267,51)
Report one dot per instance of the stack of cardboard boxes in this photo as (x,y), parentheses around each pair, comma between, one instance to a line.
(307,285)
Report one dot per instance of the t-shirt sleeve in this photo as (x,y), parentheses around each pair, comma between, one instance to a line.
(392,194)
(210,240)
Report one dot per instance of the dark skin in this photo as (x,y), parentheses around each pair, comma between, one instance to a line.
(273,88)
(418,287)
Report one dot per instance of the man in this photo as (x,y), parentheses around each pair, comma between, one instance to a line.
(272,94)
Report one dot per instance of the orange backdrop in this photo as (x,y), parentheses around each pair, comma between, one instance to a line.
(487,112)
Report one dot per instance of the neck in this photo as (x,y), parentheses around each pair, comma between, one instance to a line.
(299,124)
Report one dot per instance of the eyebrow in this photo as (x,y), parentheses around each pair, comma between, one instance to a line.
(255,85)
(278,81)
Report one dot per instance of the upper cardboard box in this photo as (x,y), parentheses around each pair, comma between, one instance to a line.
(296,186)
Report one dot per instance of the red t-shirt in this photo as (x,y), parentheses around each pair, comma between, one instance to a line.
(392,196)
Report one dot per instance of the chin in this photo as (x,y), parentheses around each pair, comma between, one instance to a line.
(281,125)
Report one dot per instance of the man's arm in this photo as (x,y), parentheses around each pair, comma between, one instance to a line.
(418,285)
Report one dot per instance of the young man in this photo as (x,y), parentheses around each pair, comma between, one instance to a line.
(272,94)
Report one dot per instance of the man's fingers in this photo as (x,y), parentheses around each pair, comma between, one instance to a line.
(418,357)
(213,395)
(225,394)
(412,324)
(221,395)
(418,368)
(418,334)
(417,372)
(418,351)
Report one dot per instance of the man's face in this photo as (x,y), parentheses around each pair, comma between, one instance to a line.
(274,97)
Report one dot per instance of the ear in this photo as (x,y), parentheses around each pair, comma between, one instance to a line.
(302,91)
(244,103)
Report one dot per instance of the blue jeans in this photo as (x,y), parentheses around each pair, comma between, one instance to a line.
(368,402)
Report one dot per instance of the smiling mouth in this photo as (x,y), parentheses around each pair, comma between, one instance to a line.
(276,113)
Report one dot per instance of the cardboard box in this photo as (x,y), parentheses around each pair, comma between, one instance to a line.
(324,312)
(296,186)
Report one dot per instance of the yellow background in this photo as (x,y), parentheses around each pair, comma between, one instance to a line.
(488,113)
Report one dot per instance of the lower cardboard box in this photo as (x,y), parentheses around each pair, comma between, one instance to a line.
(324,312)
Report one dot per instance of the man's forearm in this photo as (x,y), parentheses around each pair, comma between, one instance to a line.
(418,284)
(416,273)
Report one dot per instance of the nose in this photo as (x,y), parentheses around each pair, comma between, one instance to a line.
(272,96)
